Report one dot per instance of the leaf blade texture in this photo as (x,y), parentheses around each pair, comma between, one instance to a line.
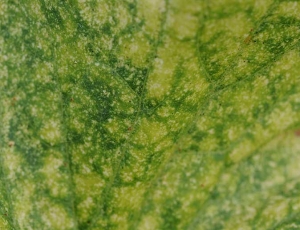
(149,114)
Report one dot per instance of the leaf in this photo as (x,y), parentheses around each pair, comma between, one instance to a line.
(149,114)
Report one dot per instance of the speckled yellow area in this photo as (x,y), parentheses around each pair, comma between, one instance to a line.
(149,115)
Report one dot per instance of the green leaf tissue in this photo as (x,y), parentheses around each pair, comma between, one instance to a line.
(149,114)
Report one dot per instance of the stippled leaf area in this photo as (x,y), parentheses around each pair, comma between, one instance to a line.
(149,114)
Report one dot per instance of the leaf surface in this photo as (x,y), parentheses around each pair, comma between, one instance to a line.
(149,114)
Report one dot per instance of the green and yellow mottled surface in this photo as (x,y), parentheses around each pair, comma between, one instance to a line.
(149,114)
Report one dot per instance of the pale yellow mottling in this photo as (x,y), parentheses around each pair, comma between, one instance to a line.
(42,42)
(296,205)
(183,24)
(237,223)
(275,210)
(209,143)
(180,115)
(52,172)
(235,25)
(288,65)
(168,58)
(16,29)
(277,178)
(150,131)
(76,124)
(260,132)
(290,8)
(95,15)
(149,222)
(85,206)
(4,224)
(123,15)
(35,11)
(107,170)
(234,132)
(293,144)
(165,111)
(3,8)
(128,197)
(51,132)
(138,155)
(164,144)
(241,150)
(282,117)
(261,7)
(23,202)
(93,183)
(202,123)
(121,220)
(160,79)
(13,162)
(189,6)
(136,47)
(127,97)
(55,216)
(89,182)
(125,197)
(151,11)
